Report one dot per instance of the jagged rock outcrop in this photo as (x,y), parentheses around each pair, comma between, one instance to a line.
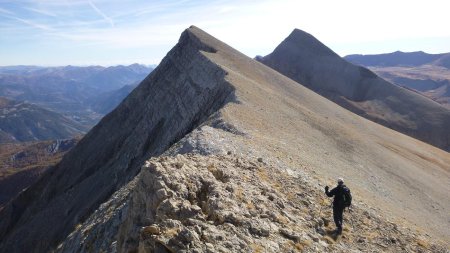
(242,107)
(306,60)
(228,203)
(231,204)
(175,98)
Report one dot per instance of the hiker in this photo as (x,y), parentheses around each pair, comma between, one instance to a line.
(342,199)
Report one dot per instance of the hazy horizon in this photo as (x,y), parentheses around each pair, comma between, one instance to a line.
(75,65)
(151,65)
(109,33)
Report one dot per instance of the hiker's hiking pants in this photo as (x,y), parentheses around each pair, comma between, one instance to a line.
(337,216)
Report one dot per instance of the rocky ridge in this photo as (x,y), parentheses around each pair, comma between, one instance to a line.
(229,203)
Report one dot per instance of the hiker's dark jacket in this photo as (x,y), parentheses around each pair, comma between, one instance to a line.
(338,193)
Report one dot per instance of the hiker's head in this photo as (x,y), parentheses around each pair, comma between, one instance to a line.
(340,181)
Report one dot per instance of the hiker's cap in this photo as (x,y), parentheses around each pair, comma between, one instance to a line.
(340,180)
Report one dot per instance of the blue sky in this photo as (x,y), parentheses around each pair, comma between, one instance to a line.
(110,32)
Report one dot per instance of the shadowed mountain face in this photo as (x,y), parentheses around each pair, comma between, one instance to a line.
(307,61)
(26,122)
(412,59)
(106,102)
(207,98)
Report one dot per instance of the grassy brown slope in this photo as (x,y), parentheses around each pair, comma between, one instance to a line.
(403,176)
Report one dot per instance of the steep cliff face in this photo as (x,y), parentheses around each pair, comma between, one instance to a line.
(180,94)
(306,60)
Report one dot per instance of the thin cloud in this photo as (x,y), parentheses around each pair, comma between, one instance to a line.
(43,12)
(99,12)
(124,38)
(5,11)
(30,23)
(34,24)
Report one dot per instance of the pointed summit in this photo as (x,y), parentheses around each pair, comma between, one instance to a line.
(306,60)
(196,38)
(301,40)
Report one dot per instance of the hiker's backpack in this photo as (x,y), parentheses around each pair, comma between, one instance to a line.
(347,197)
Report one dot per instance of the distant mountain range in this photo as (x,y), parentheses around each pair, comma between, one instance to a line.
(398,58)
(21,121)
(48,104)
(427,74)
(70,90)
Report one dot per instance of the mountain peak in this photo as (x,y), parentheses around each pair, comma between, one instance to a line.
(300,34)
(306,42)
(198,39)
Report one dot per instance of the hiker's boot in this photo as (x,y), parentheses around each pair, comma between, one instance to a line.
(339,231)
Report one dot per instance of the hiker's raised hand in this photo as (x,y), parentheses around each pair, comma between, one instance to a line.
(326,188)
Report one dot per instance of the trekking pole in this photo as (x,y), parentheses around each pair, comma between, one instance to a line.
(351,220)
